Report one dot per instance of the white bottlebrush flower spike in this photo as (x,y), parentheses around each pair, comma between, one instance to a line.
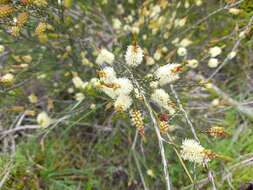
(155,11)
(134,55)
(105,56)
(178,23)
(124,86)
(182,51)
(162,99)
(193,63)
(191,150)
(79,96)
(198,2)
(123,102)
(94,82)
(33,98)
(234,11)
(167,73)
(153,84)
(116,24)
(78,83)
(7,78)
(232,54)
(185,42)
(157,55)
(107,75)
(215,51)
(150,61)
(43,119)
(2,48)
(109,92)
(213,63)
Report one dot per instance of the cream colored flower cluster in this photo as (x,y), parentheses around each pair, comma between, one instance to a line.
(191,150)
(162,99)
(134,55)
(118,89)
(167,73)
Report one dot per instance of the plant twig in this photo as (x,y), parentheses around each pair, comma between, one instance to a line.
(137,162)
(210,175)
(158,134)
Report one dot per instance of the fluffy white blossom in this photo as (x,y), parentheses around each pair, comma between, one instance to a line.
(167,73)
(116,24)
(215,51)
(93,106)
(213,63)
(155,11)
(107,75)
(134,55)
(123,86)
(185,42)
(193,63)
(198,2)
(135,30)
(157,55)
(109,92)
(242,34)
(70,90)
(175,41)
(191,150)
(153,84)
(43,119)
(164,49)
(234,11)
(78,83)
(178,23)
(150,60)
(186,4)
(232,54)
(2,48)
(105,56)
(182,51)
(162,99)
(79,96)
(123,102)
(33,98)
(215,102)
(7,78)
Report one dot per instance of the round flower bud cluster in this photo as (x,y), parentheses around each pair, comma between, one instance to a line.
(164,127)
(137,120)
(216,131)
